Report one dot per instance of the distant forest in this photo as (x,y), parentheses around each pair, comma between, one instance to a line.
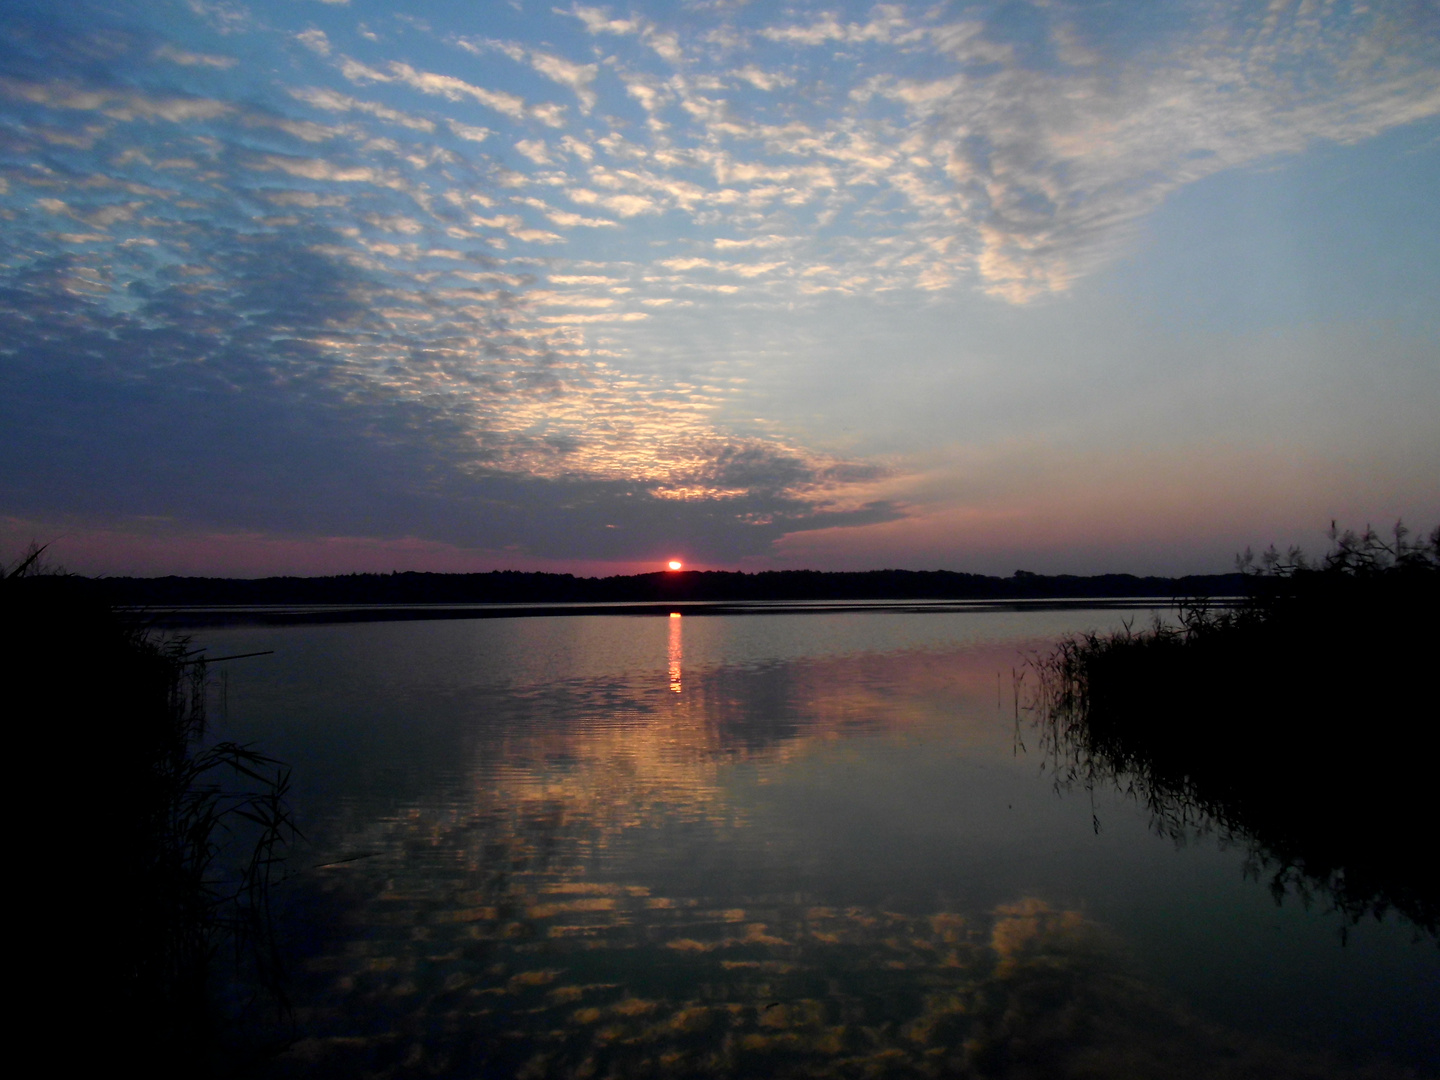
(516,587)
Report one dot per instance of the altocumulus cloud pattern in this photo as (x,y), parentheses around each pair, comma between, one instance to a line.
(369,269)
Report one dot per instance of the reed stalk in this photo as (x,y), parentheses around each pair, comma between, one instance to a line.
(1300,721)
(160,846)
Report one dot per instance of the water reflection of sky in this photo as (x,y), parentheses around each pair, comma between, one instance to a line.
(751,846)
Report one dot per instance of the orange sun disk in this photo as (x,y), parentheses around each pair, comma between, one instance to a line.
(675,564)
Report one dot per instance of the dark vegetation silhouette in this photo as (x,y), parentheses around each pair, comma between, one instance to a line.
(157,847)
(179,601)
(1301,721)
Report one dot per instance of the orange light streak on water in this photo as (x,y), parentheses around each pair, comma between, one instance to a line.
(675,652)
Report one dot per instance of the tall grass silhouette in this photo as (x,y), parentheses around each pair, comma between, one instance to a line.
(159,846)
(1300,721)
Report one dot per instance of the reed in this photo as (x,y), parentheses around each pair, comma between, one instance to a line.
(168,839)
(1299,721)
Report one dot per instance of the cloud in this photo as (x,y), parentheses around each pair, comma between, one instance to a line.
(624,205)
(346,324)
(332,101)
(515,226)
(549,299)
(888,25)
(393,303)
(223,18)
(568,73)
(535,150)
(315,41)
(743,269)
(1051,166)
(723,244)
(311,200)
(447,442)
(191,59)
(651,96)
(321,169)
(577,77)
(468,132)
(609,316)
(763,80)
(598,20)
(574,146)
(566,218)
(664,43)
(101,217)
(122,105)
(453,89)
(514,50)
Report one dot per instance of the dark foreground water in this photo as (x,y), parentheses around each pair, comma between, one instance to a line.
(767,845)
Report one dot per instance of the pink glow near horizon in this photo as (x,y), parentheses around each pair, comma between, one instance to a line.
(123,553)
(1101,515)
(973,543)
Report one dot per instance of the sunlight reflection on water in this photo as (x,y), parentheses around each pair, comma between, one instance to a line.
(676,651)
(823,853)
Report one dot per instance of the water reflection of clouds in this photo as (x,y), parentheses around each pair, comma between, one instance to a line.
(589,759)
(595,979)
(663,755)
(517,924)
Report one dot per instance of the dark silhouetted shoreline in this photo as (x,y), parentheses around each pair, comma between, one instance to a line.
(509,587)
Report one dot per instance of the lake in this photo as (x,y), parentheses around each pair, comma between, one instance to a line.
(818,844)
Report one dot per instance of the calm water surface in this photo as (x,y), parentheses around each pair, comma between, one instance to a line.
(766,845)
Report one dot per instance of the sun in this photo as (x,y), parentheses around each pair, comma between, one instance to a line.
(675,564)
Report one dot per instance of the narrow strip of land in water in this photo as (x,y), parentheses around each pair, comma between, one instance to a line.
(177,601)
(302,615)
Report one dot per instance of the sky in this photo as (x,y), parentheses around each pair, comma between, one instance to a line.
(320,286)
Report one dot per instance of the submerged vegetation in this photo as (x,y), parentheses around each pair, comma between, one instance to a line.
(166,842)
(1301,721)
